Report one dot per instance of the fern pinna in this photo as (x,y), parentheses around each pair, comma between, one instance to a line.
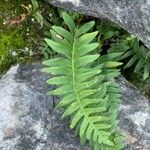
(90,95)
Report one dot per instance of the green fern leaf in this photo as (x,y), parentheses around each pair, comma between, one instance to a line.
(59,80)
(131,61)
(69,21)
(85,28)
(56,62)
(89,93)
(85,39)
(146,72)
(58,47)
(82,50)
(63,32)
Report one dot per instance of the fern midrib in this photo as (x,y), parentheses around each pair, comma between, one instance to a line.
(74,84)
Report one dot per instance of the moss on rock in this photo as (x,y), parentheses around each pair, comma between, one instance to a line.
(14,36)
(19,41)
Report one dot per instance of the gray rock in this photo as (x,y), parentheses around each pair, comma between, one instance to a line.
(27,118)
(132,15)
(134,116)
(29,122)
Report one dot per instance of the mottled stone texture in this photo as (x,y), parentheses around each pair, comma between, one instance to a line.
(134,115)
(29,122)
(27,118)
(132,15)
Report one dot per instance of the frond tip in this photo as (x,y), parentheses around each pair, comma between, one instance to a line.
(89,98)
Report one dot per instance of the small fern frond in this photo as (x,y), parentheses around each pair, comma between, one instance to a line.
(45,48)
(89,95)
(140,57)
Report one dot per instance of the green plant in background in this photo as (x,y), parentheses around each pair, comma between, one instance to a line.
(74,15)
(90,96)
(135,55)
(35,11)
(10,45)
(140,57)
(18,34)
(107,31)
(45,48)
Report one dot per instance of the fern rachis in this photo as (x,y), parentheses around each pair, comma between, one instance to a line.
(88,95)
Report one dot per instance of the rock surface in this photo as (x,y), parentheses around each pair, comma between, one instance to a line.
(29,122)
(132,15)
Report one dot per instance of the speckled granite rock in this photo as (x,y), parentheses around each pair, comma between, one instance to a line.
(29,122)
(27,119)
(134,117)
(132,15)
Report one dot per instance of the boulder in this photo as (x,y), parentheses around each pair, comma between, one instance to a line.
(132,15)
(28,120)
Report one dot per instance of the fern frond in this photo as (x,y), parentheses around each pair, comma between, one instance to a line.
(45,48)
(90,96)
(140,57)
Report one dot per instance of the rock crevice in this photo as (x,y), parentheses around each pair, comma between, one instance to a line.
(132,15)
